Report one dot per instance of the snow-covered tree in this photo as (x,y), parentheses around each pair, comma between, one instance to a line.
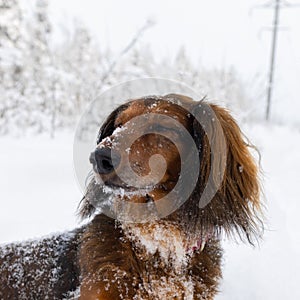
(45,86)
(12,46)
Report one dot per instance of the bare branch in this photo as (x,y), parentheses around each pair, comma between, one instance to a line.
(128,47)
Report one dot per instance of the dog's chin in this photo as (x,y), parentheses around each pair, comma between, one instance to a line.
(118,189)
(127,191)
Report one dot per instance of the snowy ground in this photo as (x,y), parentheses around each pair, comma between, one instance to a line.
(38,191)
(39,194)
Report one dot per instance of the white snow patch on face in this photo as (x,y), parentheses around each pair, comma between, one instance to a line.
(112,198)
(118,130)
(120,191)
(106,141)
(109,140)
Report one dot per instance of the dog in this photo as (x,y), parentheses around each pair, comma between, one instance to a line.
(171,250)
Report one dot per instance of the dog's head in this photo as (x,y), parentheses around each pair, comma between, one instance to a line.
(159,152)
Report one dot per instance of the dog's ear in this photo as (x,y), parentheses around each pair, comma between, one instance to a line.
(235,208)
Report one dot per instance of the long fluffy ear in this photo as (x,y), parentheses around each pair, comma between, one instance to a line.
(236,207)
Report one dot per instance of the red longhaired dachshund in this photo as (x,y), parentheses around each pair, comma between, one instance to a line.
(175,255)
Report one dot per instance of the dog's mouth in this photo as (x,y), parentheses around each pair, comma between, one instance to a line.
(123,189)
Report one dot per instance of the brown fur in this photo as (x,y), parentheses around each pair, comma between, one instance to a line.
(233,210)
(112,261)
(124,271)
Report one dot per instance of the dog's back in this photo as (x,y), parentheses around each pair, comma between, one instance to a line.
(43,269)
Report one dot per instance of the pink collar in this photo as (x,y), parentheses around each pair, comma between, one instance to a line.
(199,244)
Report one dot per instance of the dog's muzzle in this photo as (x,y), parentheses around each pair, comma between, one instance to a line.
(104,160)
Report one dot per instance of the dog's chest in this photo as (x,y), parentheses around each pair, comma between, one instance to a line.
(161,248)
(160,243)
(166,287)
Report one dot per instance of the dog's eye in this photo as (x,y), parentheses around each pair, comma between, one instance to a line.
(160,128)
(163,128)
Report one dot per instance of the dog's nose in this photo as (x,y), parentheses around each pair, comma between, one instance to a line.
(104,160)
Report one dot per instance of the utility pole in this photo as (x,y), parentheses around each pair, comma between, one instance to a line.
(277,5)
(272,62)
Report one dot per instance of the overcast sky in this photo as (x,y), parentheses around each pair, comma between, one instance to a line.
(216,33)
